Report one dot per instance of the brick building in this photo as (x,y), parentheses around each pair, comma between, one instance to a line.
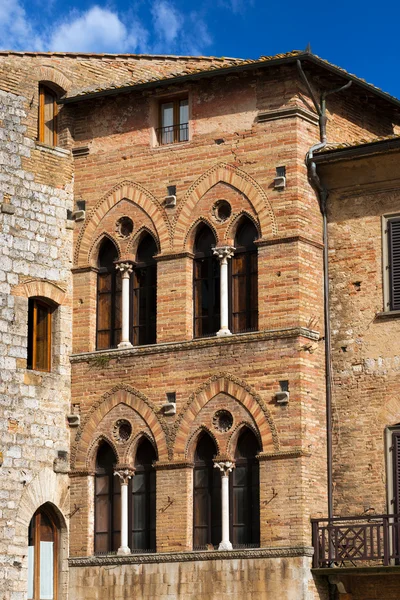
(168,227)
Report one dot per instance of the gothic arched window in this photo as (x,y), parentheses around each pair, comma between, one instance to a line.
(244,279)
(108,298)
(245,492)
(43,541)
(107,514)
(206,495)
(144,305)
(143,499)
(206,284)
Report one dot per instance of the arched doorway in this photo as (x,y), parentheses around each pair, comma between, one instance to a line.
(43,550)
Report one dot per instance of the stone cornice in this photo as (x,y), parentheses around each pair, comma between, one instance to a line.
(288,113)
(173,557)
(184,346)
(81,473)
(289,240)
(166,466)
(85,269)
(173,256)
(290,453)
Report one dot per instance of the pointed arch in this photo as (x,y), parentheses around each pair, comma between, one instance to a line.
(194,438)
(96,245)
(94,447)
(128,395)
(126,190)
(242,393)
(234,225)
(134,243)
(193,229)
(130,452)
(235,177)
(236,433)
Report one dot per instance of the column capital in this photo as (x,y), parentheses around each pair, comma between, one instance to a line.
(125,475)
(223,252)
(126,268)
(225,467)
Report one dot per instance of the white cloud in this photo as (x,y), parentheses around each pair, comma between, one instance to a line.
(104,30)
(16,32)
(97,30)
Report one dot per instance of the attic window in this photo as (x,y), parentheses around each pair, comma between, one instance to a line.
(173,121)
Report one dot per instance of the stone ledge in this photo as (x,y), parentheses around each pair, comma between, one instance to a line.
(287,113)
(55,151)
(238,338)
(168,557)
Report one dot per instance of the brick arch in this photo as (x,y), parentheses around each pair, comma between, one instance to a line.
(241,392)
(192,232)
(93,449)
(193,439)
(42,288)
(95,247)
(236,221)
(54,76)
(130,452)
(136,239)
(224,173)
(121,393)
(127,190)
(233,438)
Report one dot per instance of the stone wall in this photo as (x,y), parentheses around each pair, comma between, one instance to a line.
(35,251)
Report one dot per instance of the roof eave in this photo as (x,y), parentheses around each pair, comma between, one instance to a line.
(364,150)
(234,69)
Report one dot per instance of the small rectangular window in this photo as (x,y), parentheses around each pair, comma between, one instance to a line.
(39,335)
(47,116)
(173,121)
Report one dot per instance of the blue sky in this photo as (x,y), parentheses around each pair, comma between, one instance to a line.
(358,36)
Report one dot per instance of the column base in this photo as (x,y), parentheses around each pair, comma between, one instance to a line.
(125,345)
(225,546)
(223,332)
(123,550)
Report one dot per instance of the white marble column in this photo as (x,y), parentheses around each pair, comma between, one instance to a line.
(124,476)
(126,270)
(225,467)
(223,253)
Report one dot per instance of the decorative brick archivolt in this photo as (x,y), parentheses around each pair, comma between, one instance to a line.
(40,288)
(233,438)
(94,446)
(95,247)
(45,488)
(234,177)
(237,220)
(130,452)
(133,244)
(192,441)
(127,190)
(241,392)
(121,393)
(191,234)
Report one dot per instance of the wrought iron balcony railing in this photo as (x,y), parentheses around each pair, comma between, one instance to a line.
(173,134)
(349,541)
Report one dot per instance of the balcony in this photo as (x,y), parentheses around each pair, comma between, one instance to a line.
(365,541)
(173,134)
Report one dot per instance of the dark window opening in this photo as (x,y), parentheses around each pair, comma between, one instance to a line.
(207,526)
(143,500)
(144,304)
(109,302)
(206,284)
(245,280)
(174,122)
(39,335)
(107,515)
(47,116)
(245,494)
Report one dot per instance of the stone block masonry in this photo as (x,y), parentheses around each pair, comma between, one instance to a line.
(35,260)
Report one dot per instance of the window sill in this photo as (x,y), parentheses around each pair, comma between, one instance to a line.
(160,147)
(192,555)
(388,314)
(54,150)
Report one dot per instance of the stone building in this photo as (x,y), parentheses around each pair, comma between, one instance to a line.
(168,227)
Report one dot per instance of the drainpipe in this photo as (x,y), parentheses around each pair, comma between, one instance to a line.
(323,197)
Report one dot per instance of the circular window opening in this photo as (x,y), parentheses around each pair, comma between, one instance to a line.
(124,227)
(122,430)
(222,420)
(222,210)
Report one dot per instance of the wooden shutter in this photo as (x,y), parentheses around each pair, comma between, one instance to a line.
(144,304)
(39,335)
(396,471)
(47,116)
(394,262)
(206,496)
(143,499)
(206,285)
(107,502)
